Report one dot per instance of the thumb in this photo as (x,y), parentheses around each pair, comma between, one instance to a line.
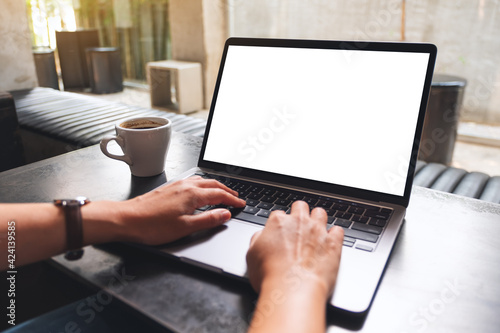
(209,219)
(254,237)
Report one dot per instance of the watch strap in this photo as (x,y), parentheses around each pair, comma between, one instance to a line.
(74,232)
(74,227)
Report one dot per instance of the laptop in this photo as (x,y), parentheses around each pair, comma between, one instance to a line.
(334,123)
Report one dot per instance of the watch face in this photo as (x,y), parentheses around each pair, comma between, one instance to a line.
(82,200)
(78,200)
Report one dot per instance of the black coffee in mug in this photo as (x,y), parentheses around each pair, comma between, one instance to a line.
(140,124)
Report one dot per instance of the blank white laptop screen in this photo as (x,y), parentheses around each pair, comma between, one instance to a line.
(344,117)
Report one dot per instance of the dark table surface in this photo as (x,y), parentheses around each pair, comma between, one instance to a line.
(443,275)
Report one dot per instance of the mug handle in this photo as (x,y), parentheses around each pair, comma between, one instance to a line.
(119,141)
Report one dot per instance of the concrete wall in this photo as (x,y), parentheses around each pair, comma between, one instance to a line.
(17,66)
(198,31)
(466,32)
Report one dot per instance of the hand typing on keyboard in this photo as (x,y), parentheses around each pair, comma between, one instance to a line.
(175,204)
(293,263)
(361,222)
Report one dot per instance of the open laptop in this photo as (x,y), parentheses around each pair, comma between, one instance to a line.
(334,123)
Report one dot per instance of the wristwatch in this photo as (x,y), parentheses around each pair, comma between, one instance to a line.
(74,230)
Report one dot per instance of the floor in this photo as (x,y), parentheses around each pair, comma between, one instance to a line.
(477,147)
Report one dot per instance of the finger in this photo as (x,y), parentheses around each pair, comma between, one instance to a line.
(277,214)
(299,208)
(319,214)
(336,234)
(207,220)
(255,237)
(275,219)
(215,196)
(212,183)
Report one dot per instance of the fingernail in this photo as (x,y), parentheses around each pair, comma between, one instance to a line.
(225,216)
(338,229)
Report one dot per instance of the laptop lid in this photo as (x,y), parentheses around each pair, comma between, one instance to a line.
(340,117)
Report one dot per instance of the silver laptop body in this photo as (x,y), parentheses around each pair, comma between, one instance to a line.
(335,119)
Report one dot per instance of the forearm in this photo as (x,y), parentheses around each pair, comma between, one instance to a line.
(40,229)
(157,217)
(297,307)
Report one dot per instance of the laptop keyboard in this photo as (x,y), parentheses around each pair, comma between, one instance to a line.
(360,221)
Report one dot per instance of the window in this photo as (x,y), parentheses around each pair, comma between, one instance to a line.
(140,28)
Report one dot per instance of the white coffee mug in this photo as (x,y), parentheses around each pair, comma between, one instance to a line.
(144,142)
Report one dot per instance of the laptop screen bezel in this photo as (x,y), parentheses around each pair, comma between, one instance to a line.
(318,185)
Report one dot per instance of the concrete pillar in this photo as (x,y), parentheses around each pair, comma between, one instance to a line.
(17,65)
(198,31)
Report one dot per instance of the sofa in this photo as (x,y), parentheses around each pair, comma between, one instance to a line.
(53,122)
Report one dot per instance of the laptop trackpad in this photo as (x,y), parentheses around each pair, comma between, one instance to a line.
(223,248)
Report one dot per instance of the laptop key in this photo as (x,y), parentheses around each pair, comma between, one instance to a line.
(251,218)
(279,207)
(310,201)
(283,202)
(343,215)
(281,195)
(378,222)
(324,204)
(243,194)
(251,210)
(268,191)
(361,235)
(330,212)
(267,198)
(255,189)
(255,196)
(295,197)
(359,218)
(364,247)
(252,202)
(235,210)
(241,187)
(265,205)
(342,223)
(340,207)
(264,213)
(364,206)
(356,210)
(366,227)
(349,239)
(377,215)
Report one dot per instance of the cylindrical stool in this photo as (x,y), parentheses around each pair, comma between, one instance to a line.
(45,65)
(11,149)
(441,119)
(105,70)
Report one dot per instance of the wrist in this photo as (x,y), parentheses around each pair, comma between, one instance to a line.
(102,223)
(296,283)
(296,279)
(292,293)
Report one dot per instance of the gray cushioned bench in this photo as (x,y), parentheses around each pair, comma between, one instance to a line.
(83,120)
(458,181)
